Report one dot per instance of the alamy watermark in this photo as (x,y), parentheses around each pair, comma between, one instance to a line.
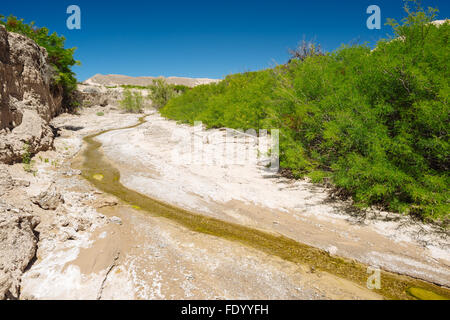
(374,21)
(374,280)
(226,147)
(74,20)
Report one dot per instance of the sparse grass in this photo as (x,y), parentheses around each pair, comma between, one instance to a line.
(28,164)
(26,157)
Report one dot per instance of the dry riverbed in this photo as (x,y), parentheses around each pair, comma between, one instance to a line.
(152,161)
(93,246)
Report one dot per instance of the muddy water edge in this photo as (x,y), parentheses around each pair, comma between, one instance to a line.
(104,176)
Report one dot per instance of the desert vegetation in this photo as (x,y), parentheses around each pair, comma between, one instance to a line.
(160,92)
(373,122)
(133,101)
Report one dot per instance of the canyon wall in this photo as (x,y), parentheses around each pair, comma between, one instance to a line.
(28,98)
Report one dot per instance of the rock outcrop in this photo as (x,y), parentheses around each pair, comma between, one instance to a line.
(104,90)
(49,199)
(97,95)
(6,181)
(18,245)
(28,101)
(28,97)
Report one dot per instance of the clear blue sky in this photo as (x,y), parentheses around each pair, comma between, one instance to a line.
(203,38)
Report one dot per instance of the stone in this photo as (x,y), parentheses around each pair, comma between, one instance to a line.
(105,201)
(18,245)
(116,220)
(21,183)
(92,95)
(6,181)
(5,284)
(72,172)
(68,233)
(83,224)
(49,199)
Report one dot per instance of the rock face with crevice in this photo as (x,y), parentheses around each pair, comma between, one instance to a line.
(18,242)
(49,199)
(28,97)
(18,245)
(98,95)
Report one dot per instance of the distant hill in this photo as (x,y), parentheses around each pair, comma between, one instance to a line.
(113,79)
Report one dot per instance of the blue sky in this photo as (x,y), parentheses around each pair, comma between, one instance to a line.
(204,38)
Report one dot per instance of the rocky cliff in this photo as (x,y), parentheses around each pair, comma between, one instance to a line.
(28,98)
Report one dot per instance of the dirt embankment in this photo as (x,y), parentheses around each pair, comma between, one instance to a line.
(28,101)
(28,98)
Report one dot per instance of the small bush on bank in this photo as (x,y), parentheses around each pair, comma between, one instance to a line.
(161,92)
(132,101)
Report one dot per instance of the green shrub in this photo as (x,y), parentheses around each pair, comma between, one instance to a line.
(100,114)
(60,58)
(132,101)
(374,122)
(161,92)
(179,88)
(239,101)
(26,157)
(28,164)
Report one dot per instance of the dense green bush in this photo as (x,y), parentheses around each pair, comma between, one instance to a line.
(239,101)
(375,122)
(61,59)
(132,101)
